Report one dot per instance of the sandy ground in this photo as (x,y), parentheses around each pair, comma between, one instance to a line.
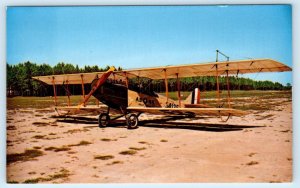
(254,148)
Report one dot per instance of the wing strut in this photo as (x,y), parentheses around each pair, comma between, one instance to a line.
(98,84)
(54,91)
(166,86)
(82,86)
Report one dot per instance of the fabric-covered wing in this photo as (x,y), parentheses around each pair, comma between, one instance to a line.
(187,111)
(209,69)
(69,78)
(78,78)
(191,70)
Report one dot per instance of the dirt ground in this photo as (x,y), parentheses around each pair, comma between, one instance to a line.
(254,148)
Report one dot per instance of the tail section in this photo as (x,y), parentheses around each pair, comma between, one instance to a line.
(194,97)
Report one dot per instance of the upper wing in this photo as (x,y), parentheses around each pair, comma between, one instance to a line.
(208,69)
(69,78)
(191,70)
(78,78)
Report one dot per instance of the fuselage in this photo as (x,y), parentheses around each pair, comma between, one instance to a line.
(119,97)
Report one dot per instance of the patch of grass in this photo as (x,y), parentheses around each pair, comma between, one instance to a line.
(163,140)
(72,131)
(68,147)
(40,124)
(251,154)
(143,142)
(81,143)
(105,139)
(9,143)
(13,182)
(58,149)
(37,147)
(252,163)
(285,131)
(115,162)
(28,154)
(275,181)
(128,152)
(50,148)
(103,157)
(44,137)
(52,134)
(61,174)
(62,149)
(34,180)
(39,136)
(11,127)
(135,148)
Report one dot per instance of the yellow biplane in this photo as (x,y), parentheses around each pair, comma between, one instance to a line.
(116,97)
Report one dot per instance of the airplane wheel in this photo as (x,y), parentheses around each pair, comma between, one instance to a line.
(132,121)
(103,120)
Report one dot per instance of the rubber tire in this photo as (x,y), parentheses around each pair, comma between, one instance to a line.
(106,119)
(132,121)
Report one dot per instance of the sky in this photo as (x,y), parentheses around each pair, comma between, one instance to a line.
(147,36)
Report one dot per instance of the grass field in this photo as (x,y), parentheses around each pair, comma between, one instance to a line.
(44,102)
(245,100)
(234,94)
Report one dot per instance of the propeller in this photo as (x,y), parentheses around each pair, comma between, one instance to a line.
(100,81)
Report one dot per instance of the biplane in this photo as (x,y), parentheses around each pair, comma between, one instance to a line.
(111,88)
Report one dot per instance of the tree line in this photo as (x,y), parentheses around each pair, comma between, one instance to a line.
(20,82)
(208,83)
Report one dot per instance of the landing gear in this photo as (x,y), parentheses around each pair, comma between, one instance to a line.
(103,120)
(132,121)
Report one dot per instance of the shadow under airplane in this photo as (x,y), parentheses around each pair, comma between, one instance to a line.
(168,122)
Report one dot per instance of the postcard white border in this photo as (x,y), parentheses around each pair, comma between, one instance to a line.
(296,82)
